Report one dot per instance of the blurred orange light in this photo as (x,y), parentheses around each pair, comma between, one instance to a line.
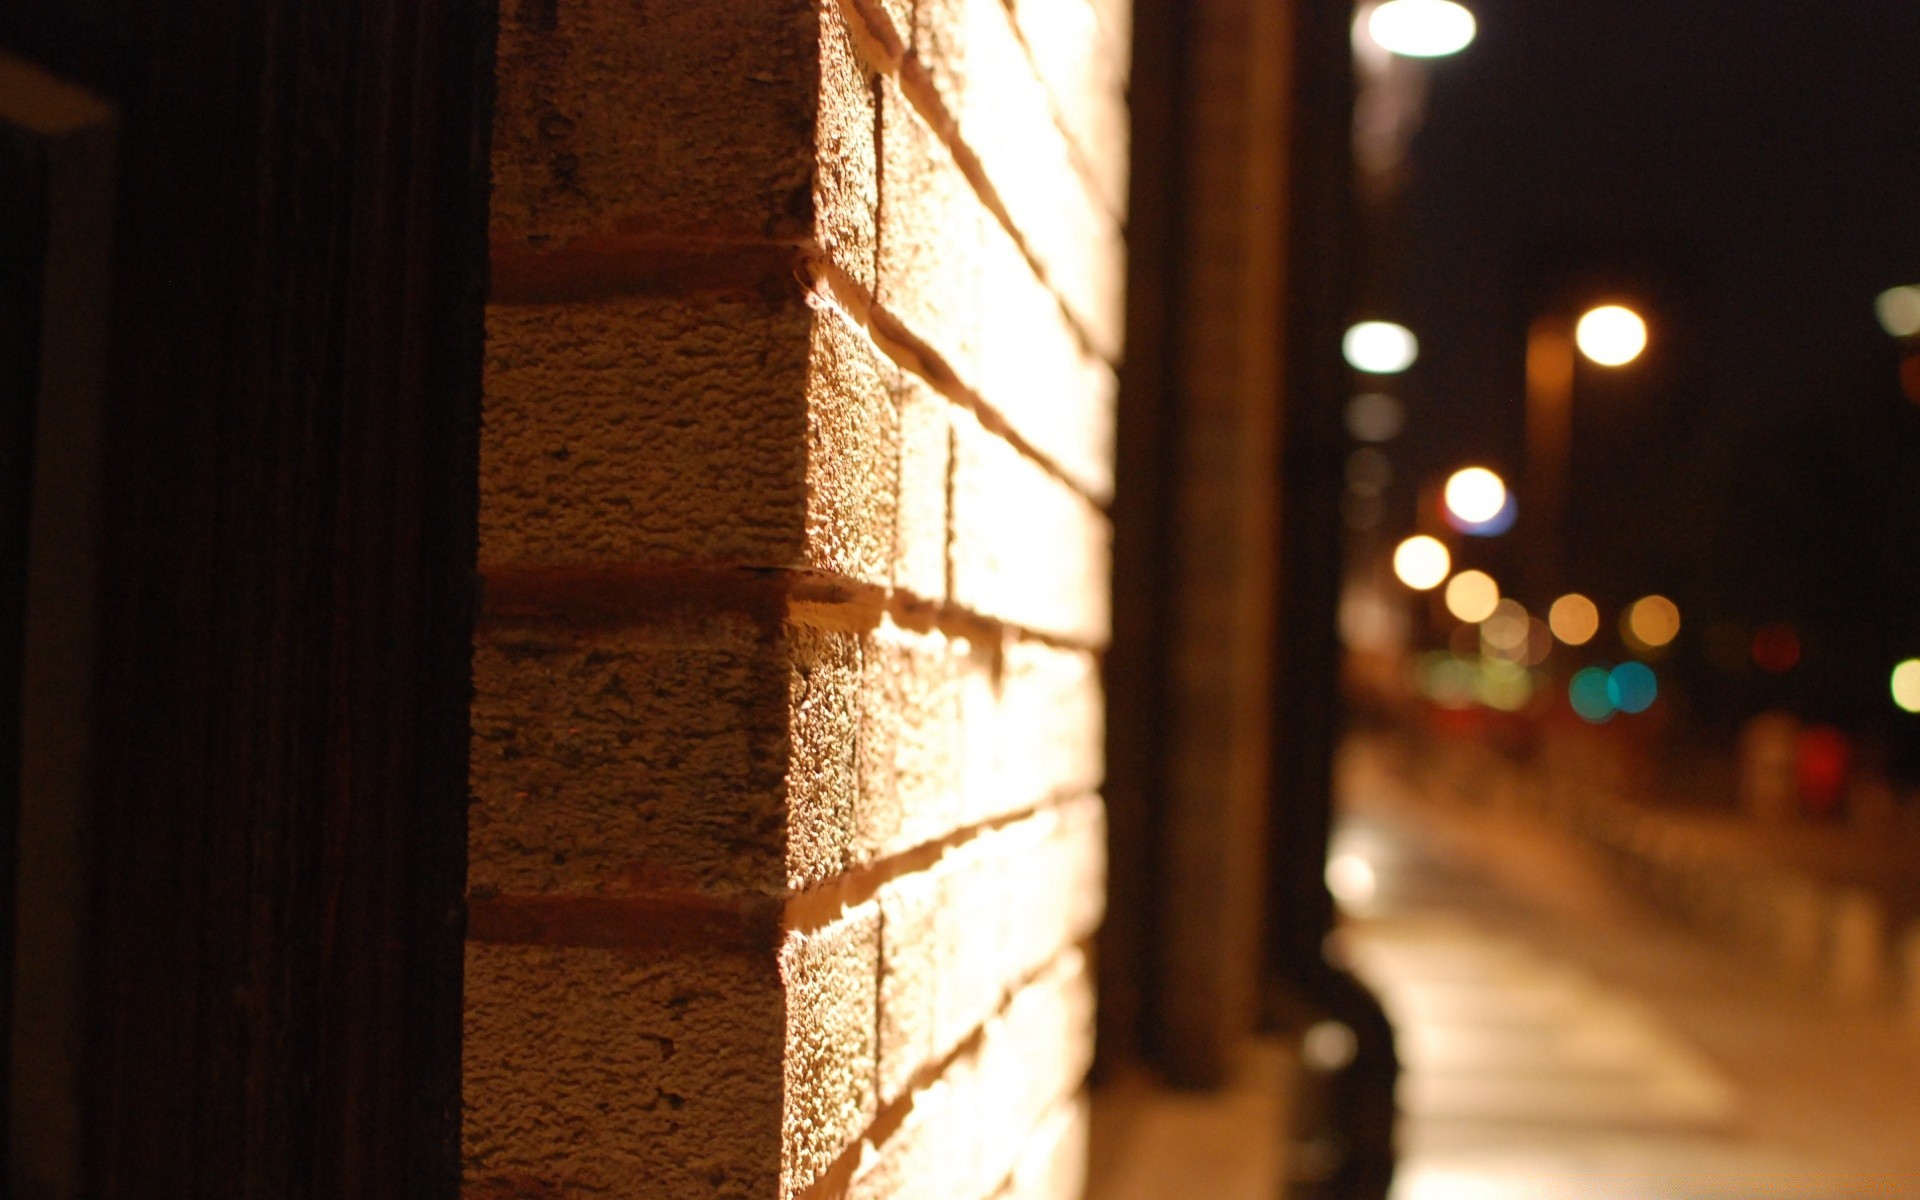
(1507,629)
(1574,619)
(1611,335)
(1651,623)
(1776,649)
(1472,596)
(1476,495)
(1422,563)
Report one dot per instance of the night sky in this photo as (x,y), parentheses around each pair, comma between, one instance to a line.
(1749,173)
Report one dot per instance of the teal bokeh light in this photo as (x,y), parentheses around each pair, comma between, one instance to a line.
(1633,687)
(1590,693)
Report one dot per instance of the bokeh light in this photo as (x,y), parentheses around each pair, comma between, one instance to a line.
(1422,28)
(1476,495)
(1906,685)
(1507,630)
(1376,417)
(1632,687)
(1651,623)
(1380,348)
(1776,649)
(1899,311)
(1369,472)
(1611,335)
(1451,682)
(1574,619)
(1351,879)
(1539,642)
(1506,687)
(1472,596)
(1590,693)
(1422,563)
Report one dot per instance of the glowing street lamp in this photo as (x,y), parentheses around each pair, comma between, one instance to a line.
(1422,28)
(1380,347)
(1422,563)
(1611,335)
(1476,495)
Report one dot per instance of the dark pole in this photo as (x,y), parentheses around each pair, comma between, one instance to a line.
(1343,1136)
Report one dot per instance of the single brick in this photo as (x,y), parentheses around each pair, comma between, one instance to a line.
(824,679)
(910,766)
(588,1072)
(705,431)
(983,77)
(926,457)
(674,755)
(1026,548)
(830,978)
(912,961)
(697,120)
(1086,84)
(932,224)
(1032,369)
(1047,732)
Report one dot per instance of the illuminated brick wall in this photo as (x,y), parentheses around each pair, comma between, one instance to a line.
(786,846)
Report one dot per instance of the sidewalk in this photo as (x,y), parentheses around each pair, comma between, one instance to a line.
(1564,1039)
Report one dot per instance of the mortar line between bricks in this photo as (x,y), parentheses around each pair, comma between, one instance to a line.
(821,905)
(916,84)
(836,1182)
(629,595)
(665,923)
(913,353)
(1082,165)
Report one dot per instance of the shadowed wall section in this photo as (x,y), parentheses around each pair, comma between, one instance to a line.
(786,846)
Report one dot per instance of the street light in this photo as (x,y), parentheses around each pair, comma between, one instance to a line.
(1380,347)
(1422,28)
(1609,335)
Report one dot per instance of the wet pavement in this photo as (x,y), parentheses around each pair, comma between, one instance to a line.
(1562,1040)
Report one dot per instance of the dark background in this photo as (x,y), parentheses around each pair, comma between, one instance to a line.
(1749,175)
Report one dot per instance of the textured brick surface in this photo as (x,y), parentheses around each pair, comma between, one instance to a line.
(698,119)
(1054,1164)
(926,458)
(1026,548)
(780,622)
(587,1071)
(910,765)
(1086,84)
(954,939)
(672,756)
(830,977)
(1030,368)
(968,1134)
(986,81)
(705,431)
(931,230)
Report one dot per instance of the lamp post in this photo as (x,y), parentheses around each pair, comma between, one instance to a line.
(1609,336)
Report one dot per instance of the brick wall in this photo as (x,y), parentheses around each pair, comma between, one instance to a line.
(786,844)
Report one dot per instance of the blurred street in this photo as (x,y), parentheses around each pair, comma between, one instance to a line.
(1563,1036)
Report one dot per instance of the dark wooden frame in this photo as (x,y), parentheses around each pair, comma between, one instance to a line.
(291,452)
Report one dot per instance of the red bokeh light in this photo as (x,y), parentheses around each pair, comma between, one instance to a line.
(1776,649)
